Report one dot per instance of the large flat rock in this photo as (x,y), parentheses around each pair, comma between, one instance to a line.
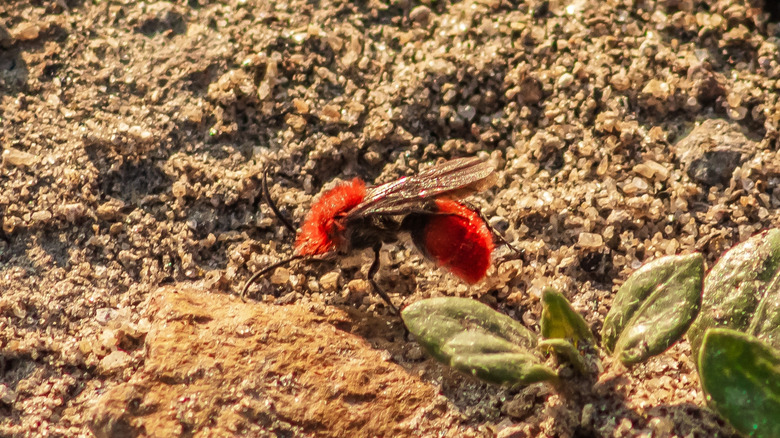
(217,365)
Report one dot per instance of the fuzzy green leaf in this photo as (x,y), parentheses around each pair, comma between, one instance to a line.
(741,376)
(654,308)
(495,360)
(560,320)
(741,291)
(437,320)
(477,340)
(567,351)
(766,321)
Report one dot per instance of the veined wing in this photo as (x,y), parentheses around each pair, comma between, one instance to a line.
(452,179)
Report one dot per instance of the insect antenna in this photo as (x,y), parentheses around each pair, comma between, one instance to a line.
(265,271)
(270,202)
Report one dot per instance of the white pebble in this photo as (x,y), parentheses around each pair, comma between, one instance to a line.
(565,80)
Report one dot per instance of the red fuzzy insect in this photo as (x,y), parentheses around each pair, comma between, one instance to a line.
(457,239)
(322,232)
(353,216)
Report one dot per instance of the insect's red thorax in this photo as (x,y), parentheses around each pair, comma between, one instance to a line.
(321,231)
(460,242)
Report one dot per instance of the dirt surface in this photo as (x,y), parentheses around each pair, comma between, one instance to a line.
(134,134)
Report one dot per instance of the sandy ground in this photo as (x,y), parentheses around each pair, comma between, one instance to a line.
(134,134)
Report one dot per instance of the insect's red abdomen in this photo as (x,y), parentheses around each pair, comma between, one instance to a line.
(321,232)
(460,241)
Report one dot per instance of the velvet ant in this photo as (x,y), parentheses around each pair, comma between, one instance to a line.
(352,216)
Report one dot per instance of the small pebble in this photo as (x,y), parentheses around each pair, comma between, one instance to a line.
(7,395)
(73,212)
(590,241)
(330,114)
(280,276)
(587,415)
(358,286)
(565,80)
(114,362)
(330,281)
(420,14)
(658,89)
(26,31)
(301,107)
(42,216)
(662,426)
(296,122)
(15,157)
(110,209)
(414,353)
(467,112)
(19,310)
(179,189)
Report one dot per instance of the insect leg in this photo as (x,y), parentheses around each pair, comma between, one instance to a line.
(262,272)
(274,208)
(493,231)
(372,272)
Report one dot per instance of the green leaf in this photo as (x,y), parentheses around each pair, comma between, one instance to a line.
(477,340)
(437,320)
(559,320)
(495,360)
(741,376)
(654,308)
(741,291)
(766,321)
(566,351)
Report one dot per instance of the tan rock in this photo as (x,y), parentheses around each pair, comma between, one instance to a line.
(215,365)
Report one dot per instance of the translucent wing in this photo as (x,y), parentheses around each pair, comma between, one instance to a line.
(453,179)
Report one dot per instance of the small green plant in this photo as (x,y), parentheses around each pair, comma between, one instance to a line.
(652,311)
(561,321)
(563,330)
(731,316)
(475,339)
